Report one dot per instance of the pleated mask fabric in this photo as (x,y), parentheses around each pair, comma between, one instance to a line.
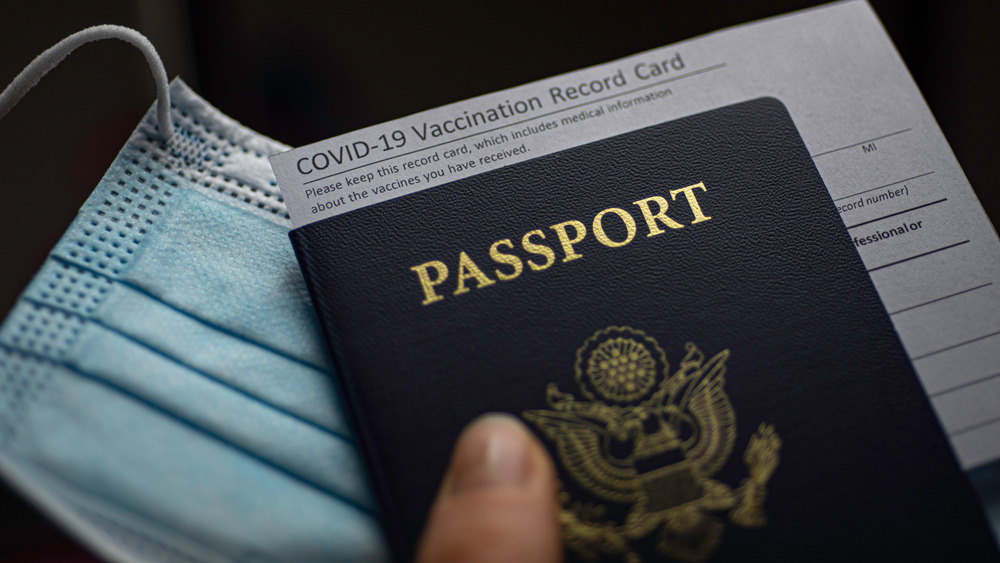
(164,390)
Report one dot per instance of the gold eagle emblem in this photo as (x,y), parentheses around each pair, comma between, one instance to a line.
(648,444)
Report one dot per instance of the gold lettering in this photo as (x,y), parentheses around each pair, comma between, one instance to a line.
(427,283)
(689,194)
(467,269)
(567,244)
(509,259)
(599,227)
(660,215)
(539,249)
(654,211)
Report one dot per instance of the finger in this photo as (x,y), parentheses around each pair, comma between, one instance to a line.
(497,502)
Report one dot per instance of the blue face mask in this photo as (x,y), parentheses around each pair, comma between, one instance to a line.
(164,391)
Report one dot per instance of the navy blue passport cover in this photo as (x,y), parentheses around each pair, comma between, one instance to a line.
(709,364)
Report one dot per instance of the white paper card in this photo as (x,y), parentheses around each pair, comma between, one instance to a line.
(931,251)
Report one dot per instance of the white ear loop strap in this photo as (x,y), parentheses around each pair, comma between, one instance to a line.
(54,55)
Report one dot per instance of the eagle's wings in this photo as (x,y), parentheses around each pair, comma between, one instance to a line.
(713,414)
(579,445)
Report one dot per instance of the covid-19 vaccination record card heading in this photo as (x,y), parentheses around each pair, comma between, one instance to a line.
(739,286)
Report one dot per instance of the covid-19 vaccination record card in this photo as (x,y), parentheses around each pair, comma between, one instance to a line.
(927,244)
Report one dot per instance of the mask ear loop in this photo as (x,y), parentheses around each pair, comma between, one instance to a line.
(54,55)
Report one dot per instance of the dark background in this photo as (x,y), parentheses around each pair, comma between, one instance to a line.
(304,71)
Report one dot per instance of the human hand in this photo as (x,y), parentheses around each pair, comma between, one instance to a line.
(497,502)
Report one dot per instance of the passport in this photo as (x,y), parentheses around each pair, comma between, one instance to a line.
(679,313)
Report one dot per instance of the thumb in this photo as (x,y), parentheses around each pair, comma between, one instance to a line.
(498,499)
